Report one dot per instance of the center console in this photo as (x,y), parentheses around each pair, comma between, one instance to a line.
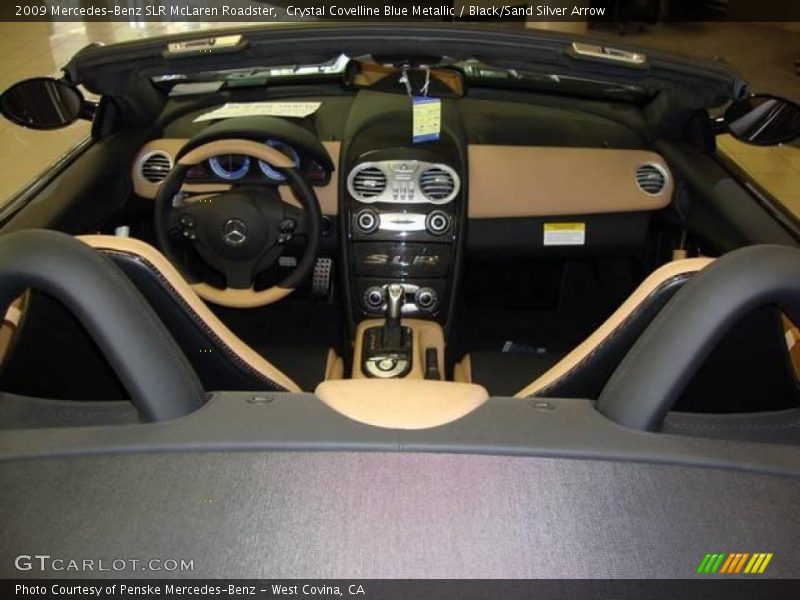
(402,220)
(398,348)
(402,214)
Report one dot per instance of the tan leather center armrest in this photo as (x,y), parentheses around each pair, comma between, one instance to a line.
(401,403)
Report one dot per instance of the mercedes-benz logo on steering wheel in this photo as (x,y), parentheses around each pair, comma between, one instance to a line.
(234,232)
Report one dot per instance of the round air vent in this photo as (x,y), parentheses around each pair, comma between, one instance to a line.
(366,182)
(438,184)
(155,166)
(651,179)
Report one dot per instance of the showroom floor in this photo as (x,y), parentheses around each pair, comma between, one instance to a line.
(30,49)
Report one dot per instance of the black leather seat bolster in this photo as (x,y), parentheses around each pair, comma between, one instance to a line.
(218,367)
(587,378)
(161,382)
(507,374)
(665,358)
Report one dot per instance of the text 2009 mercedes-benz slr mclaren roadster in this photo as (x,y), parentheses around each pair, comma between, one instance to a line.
(399,301)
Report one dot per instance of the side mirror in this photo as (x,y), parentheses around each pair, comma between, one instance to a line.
(44,103)
(763,120)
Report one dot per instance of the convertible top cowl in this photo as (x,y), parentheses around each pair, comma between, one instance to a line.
(122,70)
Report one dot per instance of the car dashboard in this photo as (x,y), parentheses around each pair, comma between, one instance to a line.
(529,179)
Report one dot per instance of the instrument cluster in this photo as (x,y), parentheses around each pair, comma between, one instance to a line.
(238,168)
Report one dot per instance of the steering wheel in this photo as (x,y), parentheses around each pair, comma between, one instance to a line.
(240,232)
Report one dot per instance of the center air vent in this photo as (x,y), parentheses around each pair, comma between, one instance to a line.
(438,184)
(651,179)
(366,182)
(156,166)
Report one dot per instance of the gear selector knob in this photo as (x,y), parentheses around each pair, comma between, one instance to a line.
(395,295)
(392,330)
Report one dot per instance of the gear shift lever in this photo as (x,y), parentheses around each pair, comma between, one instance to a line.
(387,348)
(392,330)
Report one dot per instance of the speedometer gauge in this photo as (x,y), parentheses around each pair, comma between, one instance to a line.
(270,171)
(230,166)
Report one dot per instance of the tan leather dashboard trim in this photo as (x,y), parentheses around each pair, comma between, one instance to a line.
(193,301)
(533,181)
(327,195)
(591,343)
(401,403)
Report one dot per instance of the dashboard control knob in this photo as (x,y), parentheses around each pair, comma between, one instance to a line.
(367,221)
(374,297)
(437,222)
(426,298)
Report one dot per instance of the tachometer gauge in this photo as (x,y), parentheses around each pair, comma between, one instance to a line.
(273,173)
(230,166)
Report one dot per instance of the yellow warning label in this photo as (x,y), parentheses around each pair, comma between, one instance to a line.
(564,234)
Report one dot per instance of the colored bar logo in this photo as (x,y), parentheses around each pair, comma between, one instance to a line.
(734,563)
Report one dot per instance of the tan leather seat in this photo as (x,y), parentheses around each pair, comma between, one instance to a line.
(221,359)
(583,371)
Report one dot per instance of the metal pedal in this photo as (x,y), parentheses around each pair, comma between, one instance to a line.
(321,279)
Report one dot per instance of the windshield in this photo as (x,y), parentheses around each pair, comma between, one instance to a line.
(256,76)
(476,73)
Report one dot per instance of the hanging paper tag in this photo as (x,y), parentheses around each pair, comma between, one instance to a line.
(427,119)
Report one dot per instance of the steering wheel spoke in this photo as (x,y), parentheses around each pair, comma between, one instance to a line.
(238,275)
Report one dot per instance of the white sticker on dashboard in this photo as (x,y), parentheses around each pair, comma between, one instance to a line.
(564,234)
(297,110)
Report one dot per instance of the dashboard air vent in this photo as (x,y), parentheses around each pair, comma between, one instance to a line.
(156,166)
(651,179)
(367,182)
(437,184)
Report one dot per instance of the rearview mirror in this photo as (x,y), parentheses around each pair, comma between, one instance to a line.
(43,103)
(763,120)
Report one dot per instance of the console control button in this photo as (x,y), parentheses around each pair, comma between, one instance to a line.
(367,221)
(288,225)
(386,364)
(437,222)
(426,298)
(374,297)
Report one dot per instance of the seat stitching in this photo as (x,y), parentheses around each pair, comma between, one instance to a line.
(180,359)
